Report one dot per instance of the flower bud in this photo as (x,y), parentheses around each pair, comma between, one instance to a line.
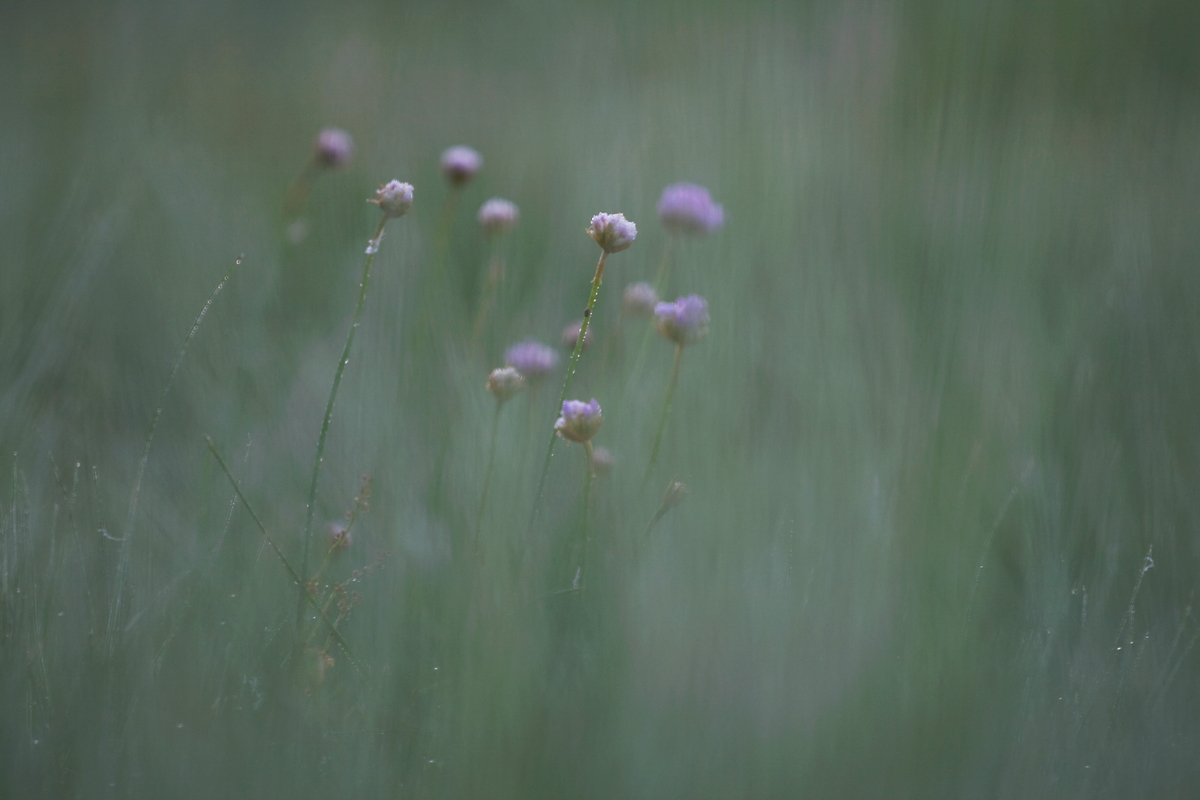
(459,165)
(505,383)
(394,198)
(498,216)
(333,148)
(612,232)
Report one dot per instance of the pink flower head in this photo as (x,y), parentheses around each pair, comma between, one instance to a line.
(333,148)
(683,322)
(498,216)
(612,232)
(459,164)
(688,208)
(532,359)
(579,421)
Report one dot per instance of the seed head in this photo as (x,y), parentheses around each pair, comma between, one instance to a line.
(532,359)
(639,300)
(579,421)
(459,165)
(333,148)
(612,232)
(683,322)
(686,208)
(394,198)
(505,383)
(498,216)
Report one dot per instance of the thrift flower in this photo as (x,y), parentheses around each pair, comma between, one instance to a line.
(688,208)
(570,336)
(394,199)
(683,322)
(333,148)
(459,164)
(639,300)
(498,216)
(602,460)
(612,232)
(579,421)
(532,359)
(505,383)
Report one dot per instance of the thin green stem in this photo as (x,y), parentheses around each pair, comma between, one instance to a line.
(487,480)
(587,318)
(212,448)
(127,535)
(662,422)
(660,281)
(664,266)
(372,249)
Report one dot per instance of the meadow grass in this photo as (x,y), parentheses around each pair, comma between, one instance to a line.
(941,438)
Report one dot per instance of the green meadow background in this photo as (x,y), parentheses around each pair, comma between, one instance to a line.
(942,440)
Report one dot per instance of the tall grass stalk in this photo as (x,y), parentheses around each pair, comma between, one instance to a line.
(114,610)
(372,249)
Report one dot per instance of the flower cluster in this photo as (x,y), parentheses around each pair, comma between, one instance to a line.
(498,216)
(579,421)
(532,359)
(683,322)
(612,232)
(686,208)
(459,164)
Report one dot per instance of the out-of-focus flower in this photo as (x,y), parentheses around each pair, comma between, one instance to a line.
(394,198)
(602,460)
(579,421)
(505,383)
(639,300)
(339,536)
(683,322)
(498,216)
(688,208)
(333,148)
(612,232)
(532,359)
(570,335)
(459,164)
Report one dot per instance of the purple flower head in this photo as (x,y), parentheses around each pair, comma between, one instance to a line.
(688,208)
(683,322)
(612,232)
(459,164)
(394,198)
(532,359)
(639,300)
(570,335)
(333,148)
(498,216)
(579,421)
(505,383)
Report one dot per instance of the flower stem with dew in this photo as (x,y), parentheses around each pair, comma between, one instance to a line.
(372,249)
(127,535)
(487,481)
(587,318)
(662,422)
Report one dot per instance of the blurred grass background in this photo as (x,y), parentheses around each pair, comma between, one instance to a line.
(943,424)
